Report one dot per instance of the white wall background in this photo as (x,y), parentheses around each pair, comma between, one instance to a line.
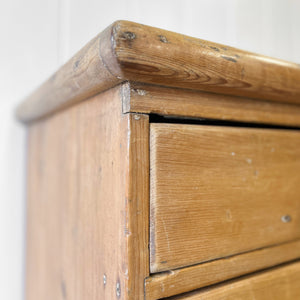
(37,36)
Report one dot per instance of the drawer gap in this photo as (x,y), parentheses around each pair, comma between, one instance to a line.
(155,118)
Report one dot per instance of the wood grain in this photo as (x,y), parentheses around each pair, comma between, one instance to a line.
(87,200)
(191,278)
(152,55)
(281,283)
(151,99)
(138,205)
(83,76)
(218,191)
(127,51)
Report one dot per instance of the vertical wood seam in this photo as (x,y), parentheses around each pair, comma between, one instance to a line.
(138,205)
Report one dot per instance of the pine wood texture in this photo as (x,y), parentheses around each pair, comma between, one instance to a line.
(87,193)
(281,283)
(196,104)
(122,208)
(137,205)
(83,76)
(127,51)
(191,278)
(218,191)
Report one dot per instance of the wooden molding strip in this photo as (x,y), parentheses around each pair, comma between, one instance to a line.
(154,99)
(134,52)
(277,283)
(187,279)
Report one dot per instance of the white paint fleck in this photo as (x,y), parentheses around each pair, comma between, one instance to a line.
(140,92)
(249,161)
(233,153)
(286,219)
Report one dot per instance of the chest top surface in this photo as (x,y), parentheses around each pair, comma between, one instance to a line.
(127,51)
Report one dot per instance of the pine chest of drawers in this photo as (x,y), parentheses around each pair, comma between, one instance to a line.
(161,165)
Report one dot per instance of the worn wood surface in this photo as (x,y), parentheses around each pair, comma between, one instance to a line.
(87,193)
(137,205)
(281,283)
(134,52)
(162,57)
(145,98)
(217,191)
(191,278)
(83,76)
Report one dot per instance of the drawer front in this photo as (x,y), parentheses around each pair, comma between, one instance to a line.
(282,283)
(220,191)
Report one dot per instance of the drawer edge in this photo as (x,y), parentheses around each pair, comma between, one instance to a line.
(187,279)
